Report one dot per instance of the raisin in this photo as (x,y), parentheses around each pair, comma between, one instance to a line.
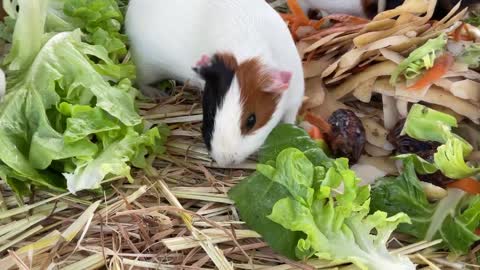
(405,144)
(437,179)
(347,138)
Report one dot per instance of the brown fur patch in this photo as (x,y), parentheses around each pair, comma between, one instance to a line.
(229,60)
(252,79)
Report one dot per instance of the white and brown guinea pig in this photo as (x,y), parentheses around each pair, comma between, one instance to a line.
(239,51)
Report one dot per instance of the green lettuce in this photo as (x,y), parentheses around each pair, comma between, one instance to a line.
(471,56)
(426,124)
(68,119)
(473,18)
(300,190)
(420,59)
(453,219)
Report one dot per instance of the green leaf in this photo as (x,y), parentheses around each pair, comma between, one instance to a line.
(471,55)
(84,120)
(295,172)
(254,210)
(451,162)
(282,137)
(426,124)
(28,26)
(453,219)
(340,229)
(421,165)
(69,108)
(295,188)
(420,59)
(6,28)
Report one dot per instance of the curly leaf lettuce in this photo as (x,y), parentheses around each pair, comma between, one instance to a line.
(426,124)
(337,229)
(471,55)
(299,191)
(453,219)
(420,59)
(68,119)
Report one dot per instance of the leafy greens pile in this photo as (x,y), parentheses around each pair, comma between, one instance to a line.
(68,119)
(307,204)
(453,219)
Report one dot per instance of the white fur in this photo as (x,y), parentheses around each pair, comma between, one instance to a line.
(169,36)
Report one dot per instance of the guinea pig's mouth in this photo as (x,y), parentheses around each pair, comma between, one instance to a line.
(226,159)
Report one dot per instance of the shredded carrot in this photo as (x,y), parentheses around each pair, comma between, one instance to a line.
(468,185)
(315,133)
(458,36)
(298,18)
(441,66)
(297,10)
(319,122)
(477,231)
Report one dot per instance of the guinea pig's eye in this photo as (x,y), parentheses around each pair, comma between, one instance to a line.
(251,120)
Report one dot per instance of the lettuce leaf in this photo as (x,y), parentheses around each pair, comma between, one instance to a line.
(449,158)
(471,55)
(337,229)
(425,124)
(473,18)
(453,219)
(420,59)
(68,119)
(299,191)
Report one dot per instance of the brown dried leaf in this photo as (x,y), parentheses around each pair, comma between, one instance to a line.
(322,41)
(410,6)
(438,96)
(364,90)
(329,105)
(466,89)
(379,25)
(315,91)
(316,67)
(375,151)
(377,70)
(392,56)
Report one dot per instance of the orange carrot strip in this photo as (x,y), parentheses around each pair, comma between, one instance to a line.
(441,66)
(315,133)
(297,10)
(468,185)
(323,125)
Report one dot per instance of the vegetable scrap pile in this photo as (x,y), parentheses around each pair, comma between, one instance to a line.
(394,106)
(68,119)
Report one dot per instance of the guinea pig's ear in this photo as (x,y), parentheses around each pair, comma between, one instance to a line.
(280,81)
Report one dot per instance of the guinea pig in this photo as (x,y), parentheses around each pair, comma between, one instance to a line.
(239,52)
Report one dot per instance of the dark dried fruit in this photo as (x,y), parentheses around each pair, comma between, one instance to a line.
(314,14)
(437,179)
(394,134)
(348,137)
(408,145)
(424,149)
